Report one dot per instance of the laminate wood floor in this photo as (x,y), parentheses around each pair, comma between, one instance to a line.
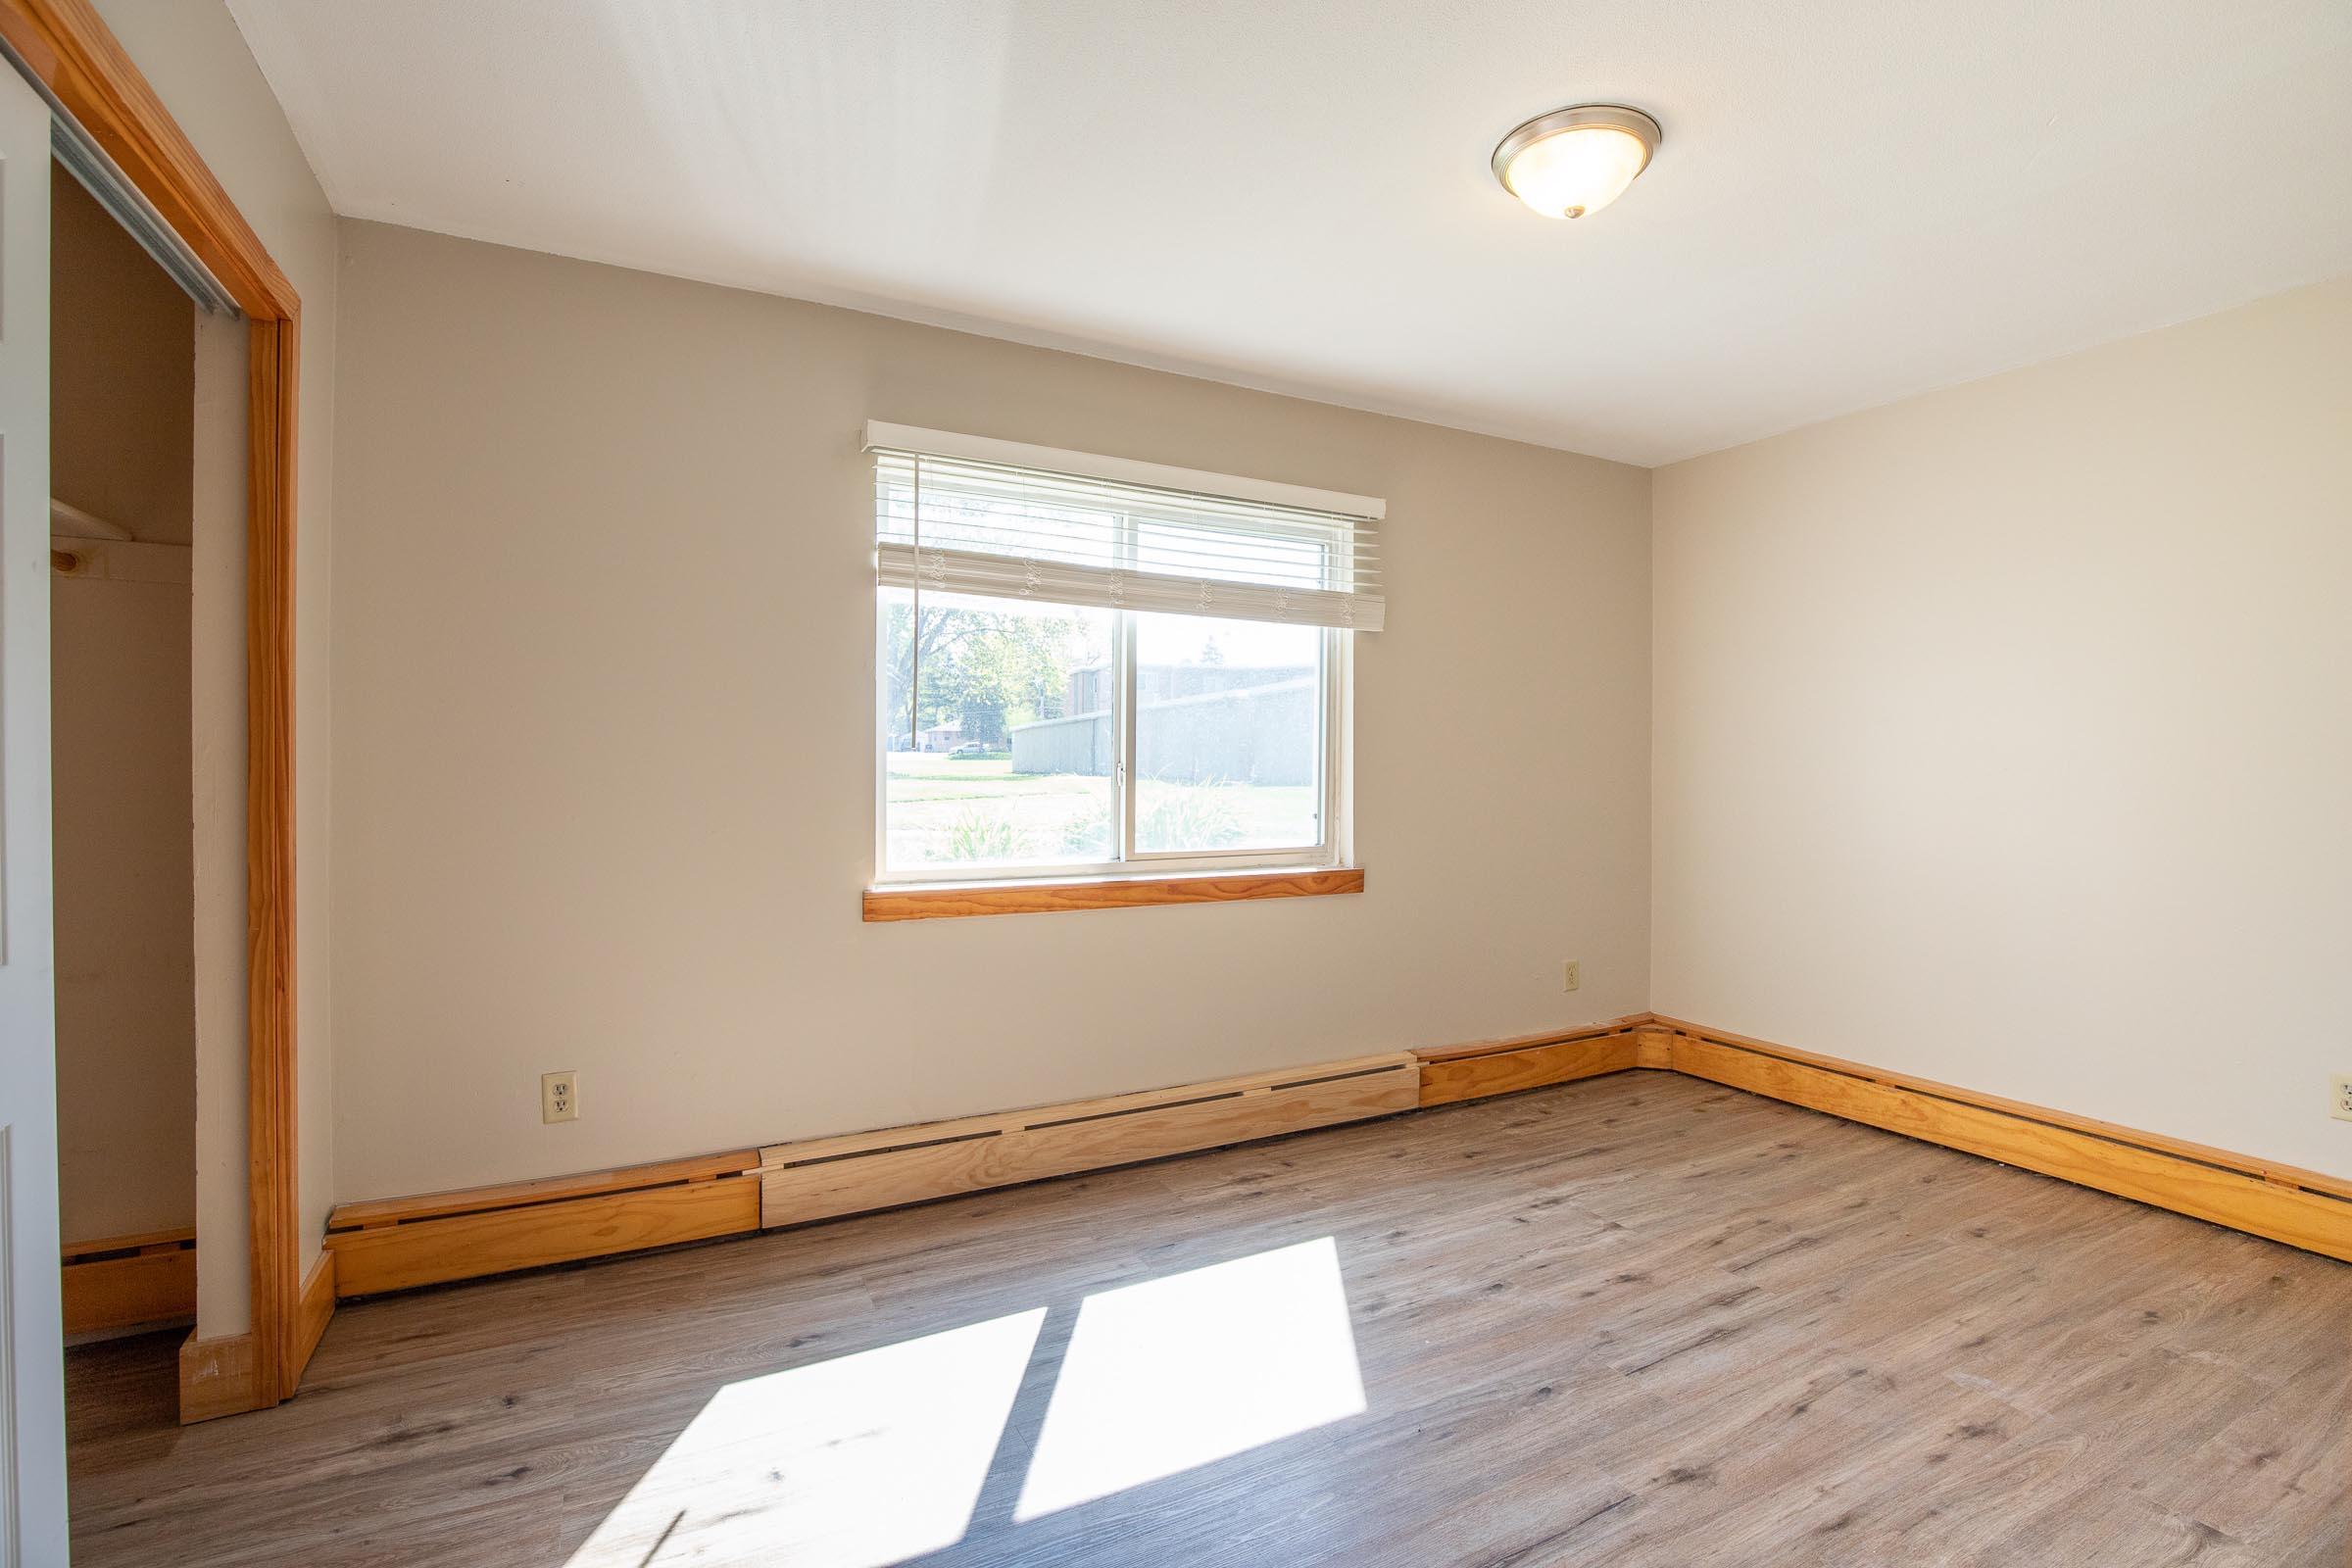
(1635,1320)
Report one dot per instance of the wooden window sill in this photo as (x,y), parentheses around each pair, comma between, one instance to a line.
(950,900)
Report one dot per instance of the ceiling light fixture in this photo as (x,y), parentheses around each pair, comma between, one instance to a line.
(1576,161)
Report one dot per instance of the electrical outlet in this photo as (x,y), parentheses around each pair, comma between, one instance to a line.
(2339,1099)
(1572,976)
(560,1096)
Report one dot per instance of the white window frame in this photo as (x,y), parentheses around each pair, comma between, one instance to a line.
(1334,850)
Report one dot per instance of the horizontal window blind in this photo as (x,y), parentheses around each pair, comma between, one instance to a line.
(959,525)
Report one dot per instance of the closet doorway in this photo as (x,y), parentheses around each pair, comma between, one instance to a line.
(124,541)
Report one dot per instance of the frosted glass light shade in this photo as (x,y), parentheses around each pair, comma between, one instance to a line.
(1573,162)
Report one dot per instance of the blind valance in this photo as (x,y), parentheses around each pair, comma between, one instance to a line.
(1042,528)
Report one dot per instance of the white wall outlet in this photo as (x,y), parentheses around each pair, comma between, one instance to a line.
(560,1096)
(2340,1098)
(1572,976)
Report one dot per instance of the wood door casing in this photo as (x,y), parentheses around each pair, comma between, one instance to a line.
(66,49)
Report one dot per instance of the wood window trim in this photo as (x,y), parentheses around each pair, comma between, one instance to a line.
(67,47)
(955,901)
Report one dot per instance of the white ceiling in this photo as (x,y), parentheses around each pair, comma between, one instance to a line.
(1856,199)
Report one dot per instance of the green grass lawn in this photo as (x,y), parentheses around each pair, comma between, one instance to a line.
(950,810)
(925,777)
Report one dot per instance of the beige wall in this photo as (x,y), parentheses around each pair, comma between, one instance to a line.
(604,771)
(121,351)
(216,722)
(122,409)
(125,994)
(2004,736)
(192,53)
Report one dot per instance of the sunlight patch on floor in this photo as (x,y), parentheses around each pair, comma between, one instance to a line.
(871,1460)
(857,1462)
(1179,1372)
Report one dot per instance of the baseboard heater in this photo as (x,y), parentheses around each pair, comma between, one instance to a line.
(1537,1062)
(395,1243)
(399,1244)
(824,1177)
(123,1282)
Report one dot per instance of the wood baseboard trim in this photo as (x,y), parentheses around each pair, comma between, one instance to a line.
(2202,1153)
(1531,1062)
(825,1178)
(122,1281)
(2285,1204)
(2300,1208)
(217,1378)
(312,1308)
(397,1244)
